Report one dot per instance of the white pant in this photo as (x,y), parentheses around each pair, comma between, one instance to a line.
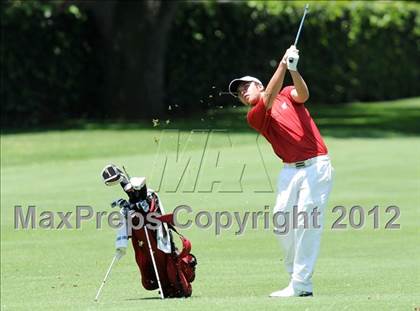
(303,189)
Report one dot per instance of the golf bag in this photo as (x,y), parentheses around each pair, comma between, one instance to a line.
(162,265)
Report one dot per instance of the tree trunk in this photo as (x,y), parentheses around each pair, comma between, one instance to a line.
(135,39)
(142,29)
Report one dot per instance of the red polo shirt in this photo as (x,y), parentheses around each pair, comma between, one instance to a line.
(288,127)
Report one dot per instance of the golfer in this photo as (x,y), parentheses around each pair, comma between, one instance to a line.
(304,183)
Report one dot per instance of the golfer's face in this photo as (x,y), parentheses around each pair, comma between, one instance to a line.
(249,93)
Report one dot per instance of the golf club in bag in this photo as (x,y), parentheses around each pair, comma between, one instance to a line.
(162,265)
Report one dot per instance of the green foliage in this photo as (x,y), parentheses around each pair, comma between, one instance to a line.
(53,60)
(48,64)
(350,50)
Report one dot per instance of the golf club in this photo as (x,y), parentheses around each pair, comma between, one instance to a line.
(292,56)
(301,24)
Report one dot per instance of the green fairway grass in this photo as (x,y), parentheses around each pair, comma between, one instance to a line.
(375,151)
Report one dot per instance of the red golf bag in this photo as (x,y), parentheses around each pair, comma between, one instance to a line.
(162,265)
(176,270)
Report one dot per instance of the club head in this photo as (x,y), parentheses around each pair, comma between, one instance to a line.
(112,175)
(138,182)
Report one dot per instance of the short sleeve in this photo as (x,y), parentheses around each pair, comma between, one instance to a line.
(259,117)
(287,92)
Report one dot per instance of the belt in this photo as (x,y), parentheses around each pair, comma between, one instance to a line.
(307,162)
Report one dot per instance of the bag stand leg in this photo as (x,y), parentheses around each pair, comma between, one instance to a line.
(106,277)
(154,263)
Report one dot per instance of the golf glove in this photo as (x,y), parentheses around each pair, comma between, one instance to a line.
(292,60)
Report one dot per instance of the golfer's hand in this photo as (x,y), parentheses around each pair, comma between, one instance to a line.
(284,58)
(292,55)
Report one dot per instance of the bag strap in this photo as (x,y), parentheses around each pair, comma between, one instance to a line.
(186,244)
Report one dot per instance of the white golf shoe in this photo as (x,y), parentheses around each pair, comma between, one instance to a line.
(289,291)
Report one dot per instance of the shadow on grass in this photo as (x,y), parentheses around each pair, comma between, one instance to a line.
(143,298)
(380,119)
(157,298)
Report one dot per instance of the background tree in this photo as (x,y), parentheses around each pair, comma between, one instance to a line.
(134,37)
(65,61)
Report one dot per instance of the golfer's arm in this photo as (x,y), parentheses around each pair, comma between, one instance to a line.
(301,93)
(274,86)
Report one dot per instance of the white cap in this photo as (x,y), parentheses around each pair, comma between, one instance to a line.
(233,85)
